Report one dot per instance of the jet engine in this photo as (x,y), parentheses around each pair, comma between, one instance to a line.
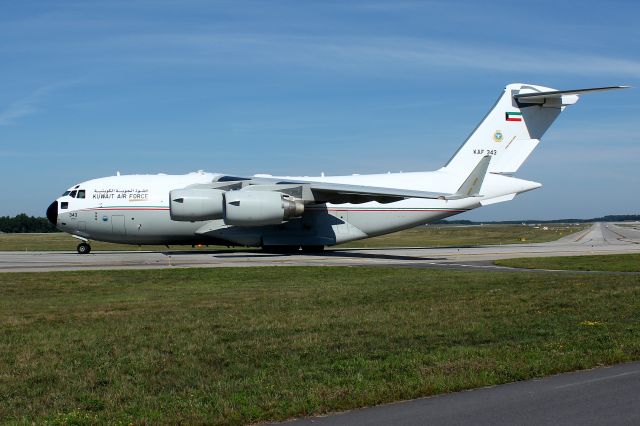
(258,208)
(194,204)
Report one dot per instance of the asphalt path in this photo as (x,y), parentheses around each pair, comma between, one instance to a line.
(602,396)
(598,239)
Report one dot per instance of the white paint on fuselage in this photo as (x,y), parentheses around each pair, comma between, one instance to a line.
(140,203)
(135,208)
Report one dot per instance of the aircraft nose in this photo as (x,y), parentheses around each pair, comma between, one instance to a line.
(52,213)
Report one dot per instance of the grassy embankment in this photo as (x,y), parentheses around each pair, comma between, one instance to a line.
(424,236)
(614,262)
(244,345)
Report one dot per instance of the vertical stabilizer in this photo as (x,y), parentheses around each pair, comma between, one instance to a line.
(510,131)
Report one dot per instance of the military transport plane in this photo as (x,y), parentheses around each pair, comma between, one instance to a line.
(309,213)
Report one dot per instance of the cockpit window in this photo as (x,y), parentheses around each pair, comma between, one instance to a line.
(64,205)
(80,193)
(66,193)
(73,194)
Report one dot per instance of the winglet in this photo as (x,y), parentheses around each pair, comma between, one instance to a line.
(471,186)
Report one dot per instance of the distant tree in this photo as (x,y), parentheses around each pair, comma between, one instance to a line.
(617,218)
(22,223)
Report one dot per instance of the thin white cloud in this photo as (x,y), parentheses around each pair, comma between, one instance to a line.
(362,53)
(27,105)
(148,42)
(22,107)
(18,109)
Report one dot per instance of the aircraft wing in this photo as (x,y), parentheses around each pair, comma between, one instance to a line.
(348,193)
(338,193)
(323,192)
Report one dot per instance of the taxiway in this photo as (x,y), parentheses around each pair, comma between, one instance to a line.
(602,396)
(598,239)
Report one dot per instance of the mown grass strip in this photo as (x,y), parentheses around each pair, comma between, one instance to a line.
(232,346)
(611,263)
(474,235)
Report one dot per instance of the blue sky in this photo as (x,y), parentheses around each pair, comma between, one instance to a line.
(303,87)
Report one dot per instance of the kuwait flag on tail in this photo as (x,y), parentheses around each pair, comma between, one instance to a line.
(513,116)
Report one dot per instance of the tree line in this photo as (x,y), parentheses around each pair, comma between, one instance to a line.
(22,223)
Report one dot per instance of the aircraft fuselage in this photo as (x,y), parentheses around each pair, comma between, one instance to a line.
(135,210)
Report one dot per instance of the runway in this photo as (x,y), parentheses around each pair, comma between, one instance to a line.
(607,395)
(598,239)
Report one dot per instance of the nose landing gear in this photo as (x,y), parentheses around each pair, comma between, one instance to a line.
(84,248)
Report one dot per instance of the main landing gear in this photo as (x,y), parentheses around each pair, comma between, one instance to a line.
(84,248)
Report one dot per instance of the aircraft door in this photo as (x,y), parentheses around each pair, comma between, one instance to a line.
(82,226)
(117,223)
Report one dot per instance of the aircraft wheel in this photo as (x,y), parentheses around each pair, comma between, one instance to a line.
(313,249)
(84,248)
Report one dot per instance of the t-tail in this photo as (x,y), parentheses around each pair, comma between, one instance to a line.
(514,127)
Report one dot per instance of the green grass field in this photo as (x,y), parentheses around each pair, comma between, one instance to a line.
(424,236)
(613,262)
(232,346)
(64,242)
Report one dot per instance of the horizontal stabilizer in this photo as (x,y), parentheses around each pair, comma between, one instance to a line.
(565,96)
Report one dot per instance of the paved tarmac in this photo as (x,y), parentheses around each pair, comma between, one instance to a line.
(598,239)
(602,396)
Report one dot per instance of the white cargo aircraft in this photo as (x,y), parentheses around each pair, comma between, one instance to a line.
(289,213)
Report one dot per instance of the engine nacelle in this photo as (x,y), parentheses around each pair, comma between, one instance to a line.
(259,208)
(196,204)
